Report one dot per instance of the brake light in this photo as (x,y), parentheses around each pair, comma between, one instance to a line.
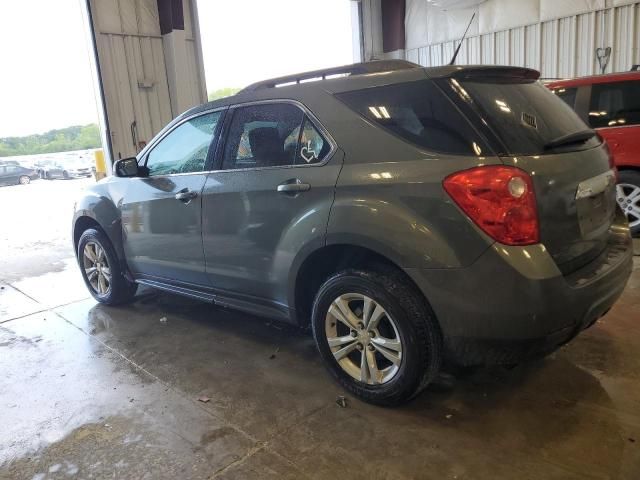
(500,200)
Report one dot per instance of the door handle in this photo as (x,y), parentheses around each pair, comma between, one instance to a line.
(186,195)
(293,186)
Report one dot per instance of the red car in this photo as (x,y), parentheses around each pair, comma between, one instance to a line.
(611,104)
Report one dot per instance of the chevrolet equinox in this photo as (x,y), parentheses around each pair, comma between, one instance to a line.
(407,215)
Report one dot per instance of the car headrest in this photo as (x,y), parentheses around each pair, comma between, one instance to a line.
(266,146)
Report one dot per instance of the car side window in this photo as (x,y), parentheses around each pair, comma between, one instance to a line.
(185,149)
(313,146)
(269,135)
(615,104)
(417,112)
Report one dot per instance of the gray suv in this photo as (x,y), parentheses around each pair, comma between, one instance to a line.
(407,215)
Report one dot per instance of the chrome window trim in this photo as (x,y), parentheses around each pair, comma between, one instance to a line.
(314,120)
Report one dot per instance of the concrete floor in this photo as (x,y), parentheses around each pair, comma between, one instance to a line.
(88,391)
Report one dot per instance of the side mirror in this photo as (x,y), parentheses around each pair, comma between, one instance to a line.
(127,167)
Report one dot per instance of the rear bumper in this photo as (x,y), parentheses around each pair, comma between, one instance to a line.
(513,302)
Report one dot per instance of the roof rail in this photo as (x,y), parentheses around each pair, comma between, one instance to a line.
(355,69)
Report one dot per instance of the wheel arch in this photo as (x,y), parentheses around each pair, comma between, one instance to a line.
(322,262)
(95,210)
(81,225)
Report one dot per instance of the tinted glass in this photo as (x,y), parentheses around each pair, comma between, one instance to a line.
(420,113)
(263,136)
(615,104)
(185,149)
(567,95)
(525,116)
(312,146)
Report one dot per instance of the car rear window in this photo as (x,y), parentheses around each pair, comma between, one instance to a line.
(523,114)
(418,112)
(567,95)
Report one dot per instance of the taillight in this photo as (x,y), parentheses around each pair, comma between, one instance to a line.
(500,200)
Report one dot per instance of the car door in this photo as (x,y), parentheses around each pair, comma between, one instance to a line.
(4,176)
(269,200)
(161,212)
(55,171)
(12,174)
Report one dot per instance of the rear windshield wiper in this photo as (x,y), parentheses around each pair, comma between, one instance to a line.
(580,136)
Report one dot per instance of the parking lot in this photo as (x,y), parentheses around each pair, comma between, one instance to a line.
(173,388)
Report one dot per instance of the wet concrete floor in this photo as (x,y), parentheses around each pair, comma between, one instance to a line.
(88,391)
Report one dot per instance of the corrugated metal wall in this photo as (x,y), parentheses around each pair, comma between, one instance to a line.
(559,48)
(133,70)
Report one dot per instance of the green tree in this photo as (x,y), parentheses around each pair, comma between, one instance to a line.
(59,140)
(223,92)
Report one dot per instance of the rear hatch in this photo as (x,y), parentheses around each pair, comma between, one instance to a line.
(532,129)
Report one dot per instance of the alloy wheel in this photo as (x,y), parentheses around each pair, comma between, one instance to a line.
(24,180)
(628,196)
(96,267)
(363,338)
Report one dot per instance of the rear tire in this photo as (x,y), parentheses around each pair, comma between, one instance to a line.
(628,196)
(65,175)
(101,269)
(407,326)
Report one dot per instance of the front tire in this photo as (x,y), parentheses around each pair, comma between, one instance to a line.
(628,196)
(377,335)
(101,269)
(24,180)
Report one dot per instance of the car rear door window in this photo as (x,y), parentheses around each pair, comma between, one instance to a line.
(186,148)
(271,135)
(615,104)
(419,113)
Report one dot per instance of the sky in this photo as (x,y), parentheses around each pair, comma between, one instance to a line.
(244,41)
(45,80)
(45,76)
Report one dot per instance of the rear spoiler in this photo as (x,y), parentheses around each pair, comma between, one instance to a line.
(491,72)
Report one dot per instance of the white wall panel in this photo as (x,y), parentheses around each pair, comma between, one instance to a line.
(562,46)
(626,26)
(551,9)
(134,70)
(517,48)
(488,49)
(586,46)
(567,50)
(498,14)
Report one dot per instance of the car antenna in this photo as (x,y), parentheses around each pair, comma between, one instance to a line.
(453,60)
